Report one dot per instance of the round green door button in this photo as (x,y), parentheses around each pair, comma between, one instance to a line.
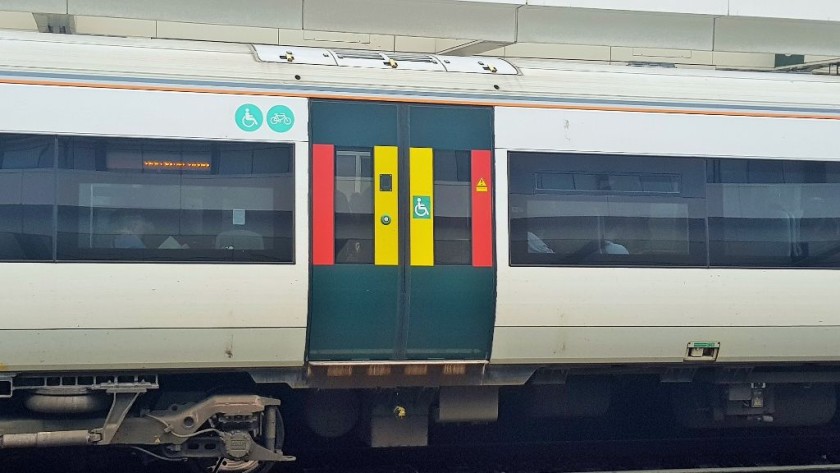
(386,219)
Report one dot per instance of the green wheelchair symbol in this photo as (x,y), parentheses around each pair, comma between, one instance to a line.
(248,117)
(422,206)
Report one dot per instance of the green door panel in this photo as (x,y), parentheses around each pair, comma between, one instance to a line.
(354,312)
(446,127)
(451,311)
(360,311)
(354,124)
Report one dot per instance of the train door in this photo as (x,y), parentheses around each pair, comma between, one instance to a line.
(402,232)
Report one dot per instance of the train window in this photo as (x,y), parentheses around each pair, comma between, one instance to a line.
(453,222)
(27,192)
(572,209)
(608,182)
(774,213)
(354,226)
(164,200)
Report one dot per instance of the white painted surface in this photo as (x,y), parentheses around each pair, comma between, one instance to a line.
(704,7)
(665,134)
(135,113)
(235,65)
(435,18)
(616,28)
(264,13)
(189,348)
(17,21)
(126,295)
(288,13)
(602,297)
(773,35)
(819,10)
(388,24)
(43,6)
(301,240)
(624,344)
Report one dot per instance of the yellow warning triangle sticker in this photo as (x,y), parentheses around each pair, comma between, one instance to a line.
(481,186)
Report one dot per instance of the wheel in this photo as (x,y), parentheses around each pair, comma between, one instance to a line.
(224,465)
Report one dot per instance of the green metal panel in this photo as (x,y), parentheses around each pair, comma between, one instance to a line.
(451,312)
(353,312)
(353,124)
(452,304)
(367,312)
(447,127)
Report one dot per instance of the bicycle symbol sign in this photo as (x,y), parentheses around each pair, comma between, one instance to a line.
(249,117)
(422,207)
(280,118)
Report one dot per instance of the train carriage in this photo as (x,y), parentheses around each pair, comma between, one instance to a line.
(193,233)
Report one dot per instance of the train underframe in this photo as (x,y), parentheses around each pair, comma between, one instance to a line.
(238,418)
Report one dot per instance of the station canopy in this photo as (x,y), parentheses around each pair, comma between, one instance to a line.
(738,34)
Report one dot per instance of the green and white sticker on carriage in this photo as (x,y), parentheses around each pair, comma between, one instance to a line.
(280,118)
(248,117)
(422,207)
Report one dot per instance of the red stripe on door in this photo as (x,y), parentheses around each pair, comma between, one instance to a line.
(482,209)
(323,205)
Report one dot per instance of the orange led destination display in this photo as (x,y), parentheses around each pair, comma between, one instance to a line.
(195,165)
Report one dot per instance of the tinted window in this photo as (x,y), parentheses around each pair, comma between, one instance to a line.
(568,209)
(354,206)
(776,213)
(27,193)
(453,213)
(161,200)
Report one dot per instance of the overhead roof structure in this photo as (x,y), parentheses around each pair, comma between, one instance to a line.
(713,33)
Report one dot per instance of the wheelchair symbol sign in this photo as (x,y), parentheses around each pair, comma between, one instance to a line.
(248,117)
(422,206)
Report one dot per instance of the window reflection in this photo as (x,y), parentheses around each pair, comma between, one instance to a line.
(453,231)
(774,213)
(144,200)
(26,197)
(354,223)
(606,210)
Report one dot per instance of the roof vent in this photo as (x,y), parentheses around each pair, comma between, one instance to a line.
(478,65)
(294,55)
(402,61)
(381,60)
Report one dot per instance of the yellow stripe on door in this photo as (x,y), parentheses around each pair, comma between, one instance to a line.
(421,206)
(386,235)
